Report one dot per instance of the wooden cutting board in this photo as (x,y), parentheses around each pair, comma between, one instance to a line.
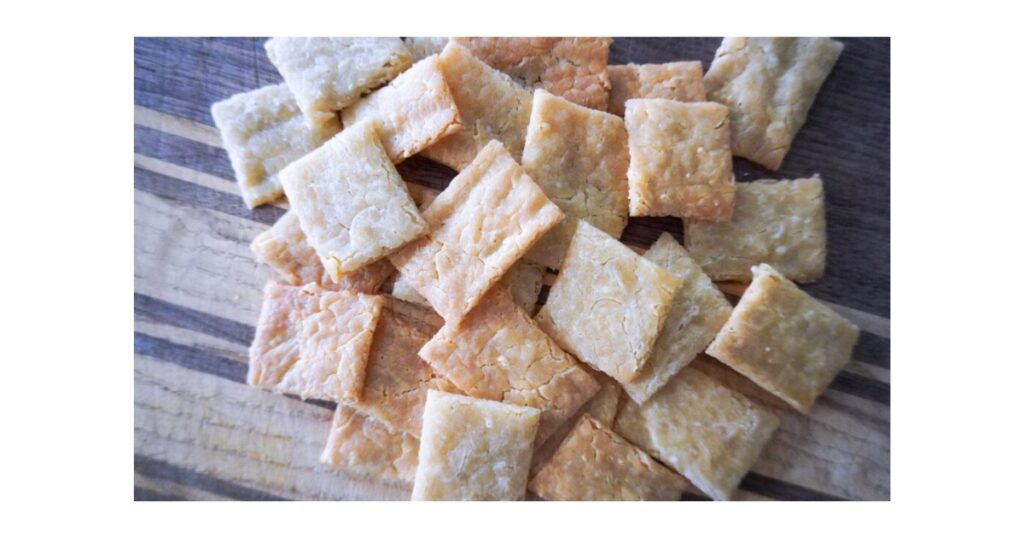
(201,433)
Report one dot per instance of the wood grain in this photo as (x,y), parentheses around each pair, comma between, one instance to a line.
(200,433)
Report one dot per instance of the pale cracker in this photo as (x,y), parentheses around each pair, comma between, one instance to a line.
(702,430)
(681,81)
(769,85)
(781,223)
(602,406)
(352,204)
(365,448)
(784,340)
(680,164)
(474,450)
(608,304)
(524,280)
(579,158)
(263,131)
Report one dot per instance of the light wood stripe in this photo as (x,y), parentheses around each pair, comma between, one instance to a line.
(209,181)
(177,126)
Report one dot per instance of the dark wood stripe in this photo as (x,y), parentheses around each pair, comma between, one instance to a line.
(199,196)
(144,494)
(190,357)
(872,349)
(183,152)
(688,496)
(861,387)
(783,491)
(162,470)
(186,318)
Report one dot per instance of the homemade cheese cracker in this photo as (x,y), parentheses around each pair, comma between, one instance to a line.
(706,432)
(491,104)
(681,81)
(784,340)
(571,67)
(263,131)
(579,158)
(602,406)
(769,84)
(698,311)
(415,110)
(497,353)
(596,464)
(781,223)
(524,280)
(608,304)
(680,164)
(327,74)
(275,347)
(351,202)
(487,218)
(366,448)
(473,450)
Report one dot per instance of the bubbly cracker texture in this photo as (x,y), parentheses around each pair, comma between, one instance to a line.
(327,74)
(680,164)
(283,246)
(351,202)
(596,464)
(263,131)
(474,450)
(602,406)
(769,84)
(365,448)
(487,218)
(498,353)
(334,345)
(491,104)
(784,340)
(579,158)
(421,47)
(275,347)
(571,67)
(698,311)
(680,81)
(524,280)
(415,110)
(608,304)
(781,223)
(702,430)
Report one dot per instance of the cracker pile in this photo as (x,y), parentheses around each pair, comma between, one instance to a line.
(418,314)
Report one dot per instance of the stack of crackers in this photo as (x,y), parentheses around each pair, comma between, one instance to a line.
(417,312)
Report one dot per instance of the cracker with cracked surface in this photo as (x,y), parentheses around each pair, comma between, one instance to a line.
(363,447)
(283,247)
(275,346)
(608,304)
(781,223)
(473,449)
(680,81)
(498,353)
(327,74)
(701,429)
(769,85)
(596,464)
(334,345)
(352,204)
(491,104)
(698,311)
(487,218)
(263,131)
(421,47)
(680,164)
(602,406)
(571,67)
(579,158)
(784,340)
(415,110)
(524,280)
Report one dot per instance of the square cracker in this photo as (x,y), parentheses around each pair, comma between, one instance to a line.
(579,158)
(681,81)
(327,74)
(491,104)
(365,448)
(608,304)
(596,464)
(524,280)
(351,202)
(784,340)
(769,85)
(702,430)
(415,110)
(781,223)
(263,131)
(679,159)
(698,311)
(283,246)
(571,67)
(602,406)
(497,353)
(487,218)
(474,450)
